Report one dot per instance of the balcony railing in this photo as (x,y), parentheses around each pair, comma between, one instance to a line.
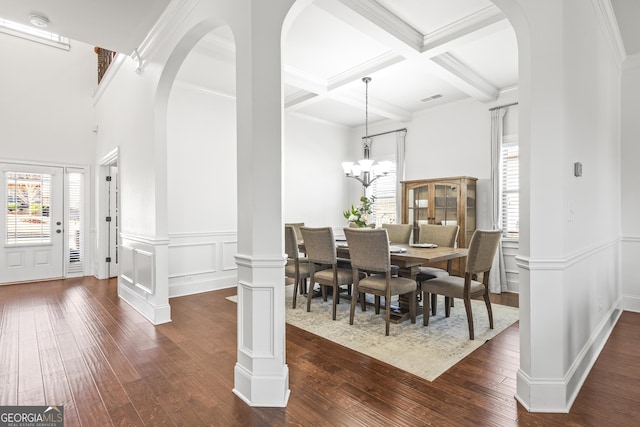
(105,57)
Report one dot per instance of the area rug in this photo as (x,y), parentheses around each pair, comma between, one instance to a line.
(425,351)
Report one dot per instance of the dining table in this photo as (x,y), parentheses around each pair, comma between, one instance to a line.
(409,258)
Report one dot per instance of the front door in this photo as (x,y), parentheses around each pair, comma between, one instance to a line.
(31,223)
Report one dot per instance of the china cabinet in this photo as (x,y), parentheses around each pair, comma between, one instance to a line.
(441,201)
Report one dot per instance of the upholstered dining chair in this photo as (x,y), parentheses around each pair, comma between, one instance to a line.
(441,235)
(320,247)
(297,268)
(482,250)
(369,252)
(297,226)
(398,233)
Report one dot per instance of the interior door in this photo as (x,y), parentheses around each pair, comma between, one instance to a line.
(31,223)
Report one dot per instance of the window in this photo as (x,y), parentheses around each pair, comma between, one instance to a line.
(510,188)
(384,189)
(75,210)
(28,201)
(33,34)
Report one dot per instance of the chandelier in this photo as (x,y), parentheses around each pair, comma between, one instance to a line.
(366,170)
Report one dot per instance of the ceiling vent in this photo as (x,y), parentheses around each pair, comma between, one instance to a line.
(432,97)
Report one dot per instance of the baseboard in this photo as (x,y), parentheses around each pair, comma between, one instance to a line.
(558,395)
(631,303)
(181,289)
(271,391)
(155,314)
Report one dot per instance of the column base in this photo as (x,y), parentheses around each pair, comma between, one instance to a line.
(262,391)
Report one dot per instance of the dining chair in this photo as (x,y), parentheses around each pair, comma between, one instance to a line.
(369,252)
(297,226)
(320,247)
(482,250)
(398,233)
(441,235)
(297,268)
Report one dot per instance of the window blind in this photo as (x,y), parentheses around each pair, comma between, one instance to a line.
(75,210)
(384,189)
(28,201)
(510,189)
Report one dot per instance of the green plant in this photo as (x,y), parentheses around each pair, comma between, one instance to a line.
(361,214)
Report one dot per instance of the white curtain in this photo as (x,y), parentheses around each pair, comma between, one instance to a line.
(400,151)
(498,275)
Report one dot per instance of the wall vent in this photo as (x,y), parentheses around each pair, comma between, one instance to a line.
(432,97)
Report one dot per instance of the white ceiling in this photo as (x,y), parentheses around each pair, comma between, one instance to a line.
(412,49)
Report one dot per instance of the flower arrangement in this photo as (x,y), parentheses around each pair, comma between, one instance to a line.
(360,215)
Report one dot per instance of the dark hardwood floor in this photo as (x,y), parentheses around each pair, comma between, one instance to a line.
(75,343)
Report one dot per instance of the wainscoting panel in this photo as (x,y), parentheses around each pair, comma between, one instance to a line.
(137,267)
(201,262)
(126,265)
(143,273)
(137,276)
(229,251)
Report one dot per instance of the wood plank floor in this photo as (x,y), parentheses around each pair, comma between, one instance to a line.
(75,343)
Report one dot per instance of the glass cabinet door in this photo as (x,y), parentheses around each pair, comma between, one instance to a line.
(446,201)
(418,207)
(471,210)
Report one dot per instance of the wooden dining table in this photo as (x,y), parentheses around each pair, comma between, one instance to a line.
(408,262)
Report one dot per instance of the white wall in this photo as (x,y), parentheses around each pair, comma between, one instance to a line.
(569,247)
(630,154)
(202,190)
(46,111)
(315,188)
(451,140)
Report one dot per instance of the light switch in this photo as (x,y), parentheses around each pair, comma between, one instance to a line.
(577,169)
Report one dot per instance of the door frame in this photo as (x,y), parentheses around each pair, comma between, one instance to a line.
(103,268)
(87,253)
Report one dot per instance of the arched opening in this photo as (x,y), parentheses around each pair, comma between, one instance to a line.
(198,87)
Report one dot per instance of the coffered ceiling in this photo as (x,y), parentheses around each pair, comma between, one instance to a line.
(419,53)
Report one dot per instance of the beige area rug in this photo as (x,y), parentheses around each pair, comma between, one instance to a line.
(425,351)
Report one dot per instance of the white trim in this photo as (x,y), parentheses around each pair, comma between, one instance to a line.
(260,261)
(109,158)
(172,16)
(607,19)
(189,235)
(145,239)
(556,395)
(532,264)
(155,314)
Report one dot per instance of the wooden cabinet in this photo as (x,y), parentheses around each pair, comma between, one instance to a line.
(441,201)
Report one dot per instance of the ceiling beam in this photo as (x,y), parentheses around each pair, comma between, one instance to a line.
(451,70)
(376,21)
(471,27)
(404,41)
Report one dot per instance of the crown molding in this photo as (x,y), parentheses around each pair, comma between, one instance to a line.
(174,14)
(607,19)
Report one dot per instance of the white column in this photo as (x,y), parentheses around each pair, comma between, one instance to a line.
(261,374)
